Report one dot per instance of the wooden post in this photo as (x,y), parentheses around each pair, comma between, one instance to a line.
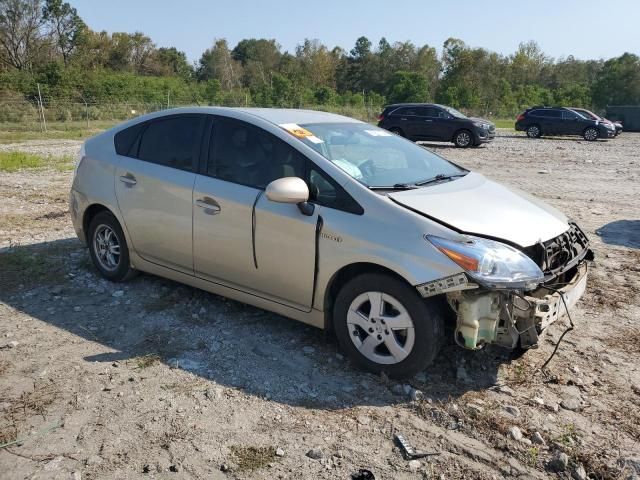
(44,120)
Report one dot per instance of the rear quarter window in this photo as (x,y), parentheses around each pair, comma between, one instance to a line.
(125,140)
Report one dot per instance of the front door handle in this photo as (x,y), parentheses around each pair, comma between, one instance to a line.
(211,207)
(428,120)
(403,119)
(128,179)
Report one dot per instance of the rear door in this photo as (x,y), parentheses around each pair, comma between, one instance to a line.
(154,184)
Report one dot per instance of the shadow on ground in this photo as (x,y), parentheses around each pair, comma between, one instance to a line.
(625,233)
(220,340)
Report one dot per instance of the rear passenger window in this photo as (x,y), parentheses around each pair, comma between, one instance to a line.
(173,141)
(248,155)
(567,115)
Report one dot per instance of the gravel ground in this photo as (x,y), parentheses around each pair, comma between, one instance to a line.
(151,379)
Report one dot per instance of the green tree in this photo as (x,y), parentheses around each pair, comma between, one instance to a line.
(67,27)
(619,82)
(407,87)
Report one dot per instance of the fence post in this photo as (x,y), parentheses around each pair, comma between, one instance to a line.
(44,120)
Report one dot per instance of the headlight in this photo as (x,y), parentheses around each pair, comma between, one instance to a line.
(480,125)
(490,263)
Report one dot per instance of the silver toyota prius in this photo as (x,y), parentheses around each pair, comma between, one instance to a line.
(330,221)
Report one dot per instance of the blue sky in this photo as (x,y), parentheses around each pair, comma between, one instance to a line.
(583,28)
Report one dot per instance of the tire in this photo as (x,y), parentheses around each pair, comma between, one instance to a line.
(397,131)
(533,131)
(591,134)
(105,234)
(463,139)
(365,338)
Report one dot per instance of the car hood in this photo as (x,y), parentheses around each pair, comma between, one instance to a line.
(482,120)
(476,205)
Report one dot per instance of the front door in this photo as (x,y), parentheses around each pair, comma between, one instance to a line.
(154,187)
(240,237)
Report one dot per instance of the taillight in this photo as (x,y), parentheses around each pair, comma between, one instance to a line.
(520,118)
(380,117)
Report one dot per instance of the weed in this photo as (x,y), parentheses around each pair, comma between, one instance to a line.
(252,458)
(44,265)
(145,361)
(532,456)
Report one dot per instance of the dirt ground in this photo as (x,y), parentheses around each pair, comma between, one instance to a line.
(151,379)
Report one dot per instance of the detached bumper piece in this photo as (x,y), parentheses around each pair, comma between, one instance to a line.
(509,318)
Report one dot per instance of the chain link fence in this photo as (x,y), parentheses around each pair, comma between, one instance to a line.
(43,112)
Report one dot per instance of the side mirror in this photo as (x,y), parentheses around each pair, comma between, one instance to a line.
(290,190)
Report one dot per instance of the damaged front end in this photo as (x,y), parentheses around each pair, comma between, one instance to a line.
(516,316)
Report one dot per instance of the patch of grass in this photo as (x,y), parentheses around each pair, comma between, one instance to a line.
(14,161)
(20,132)
(533,455)
(32,266)
(252,458)
(504,123)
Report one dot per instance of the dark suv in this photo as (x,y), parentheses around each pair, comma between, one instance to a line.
(427,121)
(539,121)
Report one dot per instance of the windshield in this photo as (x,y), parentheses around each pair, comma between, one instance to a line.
(587,114)
(455,112)
(373,156)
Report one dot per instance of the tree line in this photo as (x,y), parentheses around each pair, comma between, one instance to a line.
(46,42)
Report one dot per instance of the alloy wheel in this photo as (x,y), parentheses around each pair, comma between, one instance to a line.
(106,247)
(463,139)
(591,134)
(533,132)
(380,328)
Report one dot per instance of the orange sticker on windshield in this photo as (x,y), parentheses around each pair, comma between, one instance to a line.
(296,130)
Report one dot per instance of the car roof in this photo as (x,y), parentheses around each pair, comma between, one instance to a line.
(277,116)
(417,104)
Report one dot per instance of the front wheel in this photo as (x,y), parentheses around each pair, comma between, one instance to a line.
(463,139)
(385,326)
(591,134)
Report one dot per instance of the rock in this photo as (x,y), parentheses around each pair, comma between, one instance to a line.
(415,395)
(224,467)
(476,409)
(506,390)
(630,465)
(77,309)
(512,410)
(537,438)
(397,389)
(279,452)
(13,344)
(407,389)
(575,369)
(315,454)
(543,171)
(364,420)
(538,401)
(414,465)
(117,293)
(579,473)
(308,349)
(570,403)
(56,289)
(559,461)
(515,433)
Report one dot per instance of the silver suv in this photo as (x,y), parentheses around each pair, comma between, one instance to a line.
(330,221)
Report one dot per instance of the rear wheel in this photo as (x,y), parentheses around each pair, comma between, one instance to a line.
(108,248)
(463,139)
(533,131)
(591,134)
(385,326)
(397,131)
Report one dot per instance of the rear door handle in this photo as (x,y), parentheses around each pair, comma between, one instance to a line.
(128,179)
(403,119)
(428,120)
(211,207)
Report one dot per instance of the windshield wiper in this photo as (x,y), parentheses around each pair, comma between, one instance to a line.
(397,186)
(439,178)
